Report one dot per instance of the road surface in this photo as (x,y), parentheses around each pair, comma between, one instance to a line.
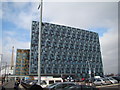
(110,87)
(10,86)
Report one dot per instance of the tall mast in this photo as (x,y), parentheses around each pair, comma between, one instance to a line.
(12,58)
(39,45)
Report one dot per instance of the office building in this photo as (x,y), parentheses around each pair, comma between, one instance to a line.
(65,51)
(22,62)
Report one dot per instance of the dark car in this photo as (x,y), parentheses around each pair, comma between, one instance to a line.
(60,86)
(33,82)
(35,87)
(27,81)
(81,87)
(117,78)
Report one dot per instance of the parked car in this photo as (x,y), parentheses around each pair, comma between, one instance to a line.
(80,87)
(113,81)
(33,82)
(60,86)
(88,80)
(99,81)
(27,81)
(107,81)
(43,83)
(116,78)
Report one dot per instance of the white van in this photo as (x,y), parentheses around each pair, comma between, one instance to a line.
(45,81)
(51,81)
(97,77)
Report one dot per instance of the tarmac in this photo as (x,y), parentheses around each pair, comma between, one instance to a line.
(10,86)
(108,85)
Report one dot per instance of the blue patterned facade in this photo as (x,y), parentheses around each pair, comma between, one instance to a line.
(65,51)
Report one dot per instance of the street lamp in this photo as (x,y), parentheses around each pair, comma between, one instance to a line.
(39,45)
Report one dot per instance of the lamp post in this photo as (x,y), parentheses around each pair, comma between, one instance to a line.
(39,45)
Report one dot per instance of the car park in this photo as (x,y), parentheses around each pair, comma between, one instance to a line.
(43,83)
(107,81)
(60,86)
(88,80)
(69,86)
(27,81)
(113,81)
(99,81)
(33,82)
(116,78)
(81,87)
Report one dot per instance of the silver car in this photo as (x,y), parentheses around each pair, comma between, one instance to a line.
(59,86)
(113,81)
(99,81)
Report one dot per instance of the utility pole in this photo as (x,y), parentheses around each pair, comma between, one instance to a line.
(39,45)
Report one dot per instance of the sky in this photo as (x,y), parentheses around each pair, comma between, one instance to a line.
(100,17)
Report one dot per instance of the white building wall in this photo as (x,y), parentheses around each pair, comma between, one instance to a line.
(7,71)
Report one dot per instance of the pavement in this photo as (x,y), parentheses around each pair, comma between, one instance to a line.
(110,87)
(10,86)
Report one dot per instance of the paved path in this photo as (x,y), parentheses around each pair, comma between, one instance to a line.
(10,86)
(110,87)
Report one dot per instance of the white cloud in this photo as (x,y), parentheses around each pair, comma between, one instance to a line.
(61,1)
(109,47)
(24,20)
(7,49)
(19,17)
(10,33)
(82,15)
